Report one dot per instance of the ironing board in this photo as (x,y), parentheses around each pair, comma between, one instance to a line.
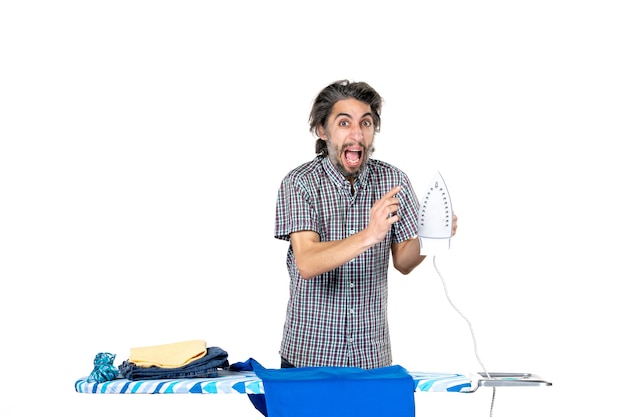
(247,382)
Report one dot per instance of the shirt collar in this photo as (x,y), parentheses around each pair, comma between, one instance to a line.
(341,181)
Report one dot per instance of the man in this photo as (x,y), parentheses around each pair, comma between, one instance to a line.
(344,213)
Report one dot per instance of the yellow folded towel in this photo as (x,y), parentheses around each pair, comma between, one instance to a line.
(171,355)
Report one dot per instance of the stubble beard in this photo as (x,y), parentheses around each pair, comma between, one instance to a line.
(335,154)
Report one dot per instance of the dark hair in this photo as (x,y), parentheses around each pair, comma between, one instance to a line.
(341,90)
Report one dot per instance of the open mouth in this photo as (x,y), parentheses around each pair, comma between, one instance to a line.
(353,156)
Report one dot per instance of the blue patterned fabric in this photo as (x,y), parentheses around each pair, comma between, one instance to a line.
(103,370)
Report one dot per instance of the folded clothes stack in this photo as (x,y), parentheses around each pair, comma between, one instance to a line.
(189,359)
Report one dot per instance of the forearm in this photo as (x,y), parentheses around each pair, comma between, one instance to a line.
(314,257)
(406,255)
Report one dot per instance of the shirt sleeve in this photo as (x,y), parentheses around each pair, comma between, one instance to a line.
(294,209)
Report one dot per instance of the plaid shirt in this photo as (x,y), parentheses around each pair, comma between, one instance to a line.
(339,318)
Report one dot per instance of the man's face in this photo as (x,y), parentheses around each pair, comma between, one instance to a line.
(349,136)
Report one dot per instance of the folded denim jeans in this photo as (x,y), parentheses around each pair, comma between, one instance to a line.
(205,367)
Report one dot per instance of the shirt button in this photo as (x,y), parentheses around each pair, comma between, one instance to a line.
(352,285)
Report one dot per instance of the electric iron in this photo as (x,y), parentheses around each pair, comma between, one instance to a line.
(435,225)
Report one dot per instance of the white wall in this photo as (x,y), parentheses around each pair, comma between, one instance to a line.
(143,144)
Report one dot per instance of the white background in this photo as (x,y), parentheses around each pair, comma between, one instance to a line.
(143,142)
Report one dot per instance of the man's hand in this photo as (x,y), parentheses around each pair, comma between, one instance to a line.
(383,214)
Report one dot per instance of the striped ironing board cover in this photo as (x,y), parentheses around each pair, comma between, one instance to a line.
(246,382)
